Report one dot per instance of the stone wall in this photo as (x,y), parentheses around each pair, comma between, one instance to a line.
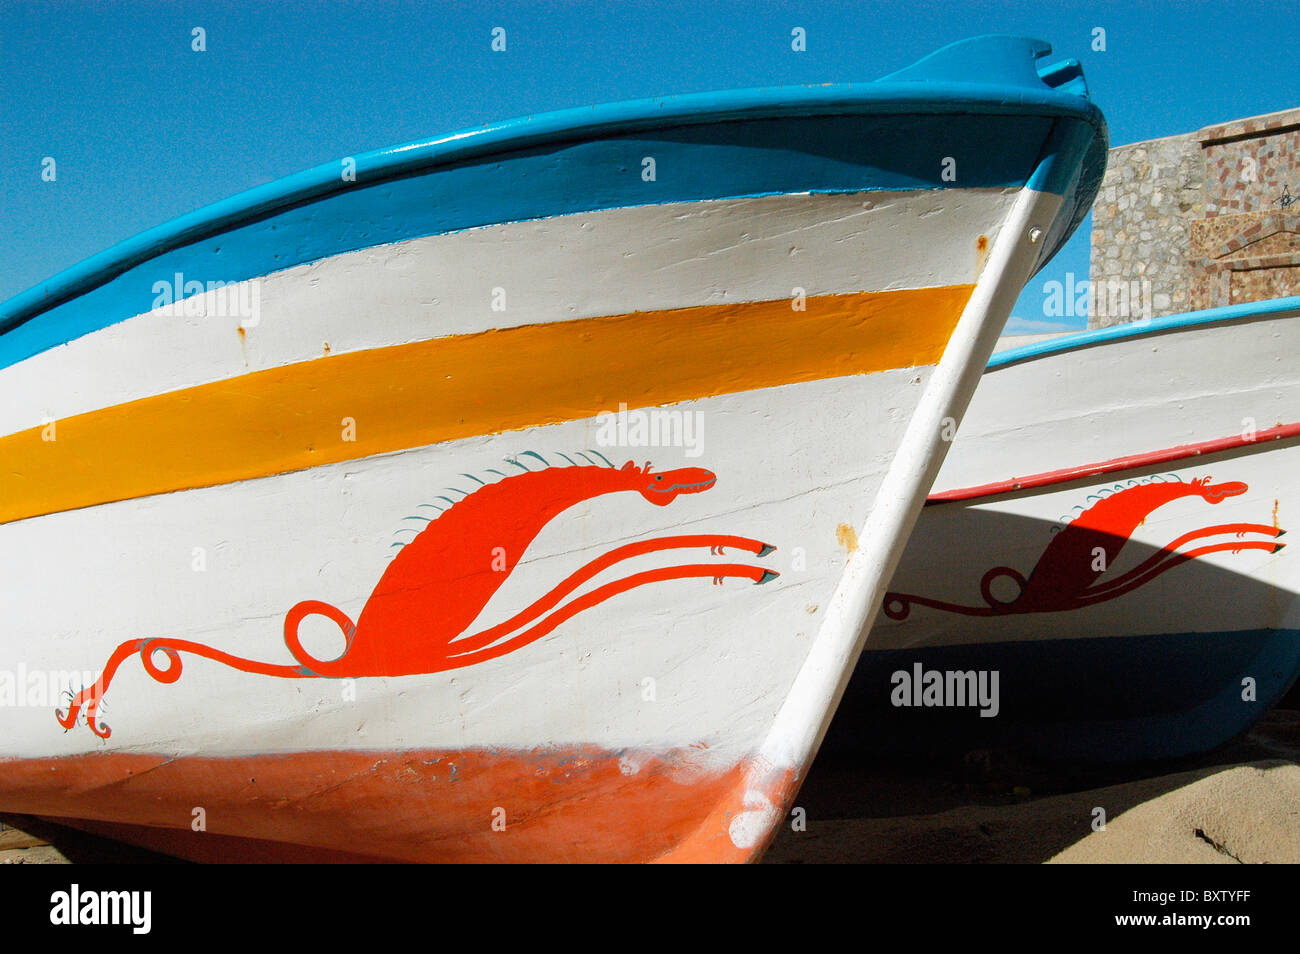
(1199,220)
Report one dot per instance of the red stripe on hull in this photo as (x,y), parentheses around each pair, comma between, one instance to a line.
(1067,474)
(572,804)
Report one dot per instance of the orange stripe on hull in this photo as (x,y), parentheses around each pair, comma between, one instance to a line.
(372,402)
(767,793)
(572,804)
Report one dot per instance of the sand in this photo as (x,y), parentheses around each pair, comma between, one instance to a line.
(1240,803)
(1244,815)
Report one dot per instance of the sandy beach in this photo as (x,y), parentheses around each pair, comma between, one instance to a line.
(1239,804)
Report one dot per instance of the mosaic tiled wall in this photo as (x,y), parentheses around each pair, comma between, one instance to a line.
(1251,164)
(1204,219)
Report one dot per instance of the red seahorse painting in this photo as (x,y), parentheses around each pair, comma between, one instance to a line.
(416,619)
(1068,574)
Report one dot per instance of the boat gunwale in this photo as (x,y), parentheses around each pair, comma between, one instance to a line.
(1048,481)
(576,124)
(1269,309)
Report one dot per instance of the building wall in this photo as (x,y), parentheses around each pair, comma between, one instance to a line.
(1198,220)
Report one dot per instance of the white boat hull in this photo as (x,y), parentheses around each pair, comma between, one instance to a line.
(365,545)
(1114,548)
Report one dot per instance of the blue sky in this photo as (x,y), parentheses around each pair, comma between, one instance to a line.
(143,128)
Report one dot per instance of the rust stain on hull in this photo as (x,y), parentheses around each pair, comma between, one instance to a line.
(847,537)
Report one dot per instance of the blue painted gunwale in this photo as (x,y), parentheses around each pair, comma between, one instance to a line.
(1010,126)
(1145,328)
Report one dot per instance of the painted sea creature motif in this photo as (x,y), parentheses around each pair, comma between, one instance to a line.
(417,617)
(1068,574)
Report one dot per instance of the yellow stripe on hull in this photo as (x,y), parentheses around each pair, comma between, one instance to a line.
(393,398)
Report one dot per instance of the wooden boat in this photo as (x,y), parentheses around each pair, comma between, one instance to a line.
(337,491)
(1107,536)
